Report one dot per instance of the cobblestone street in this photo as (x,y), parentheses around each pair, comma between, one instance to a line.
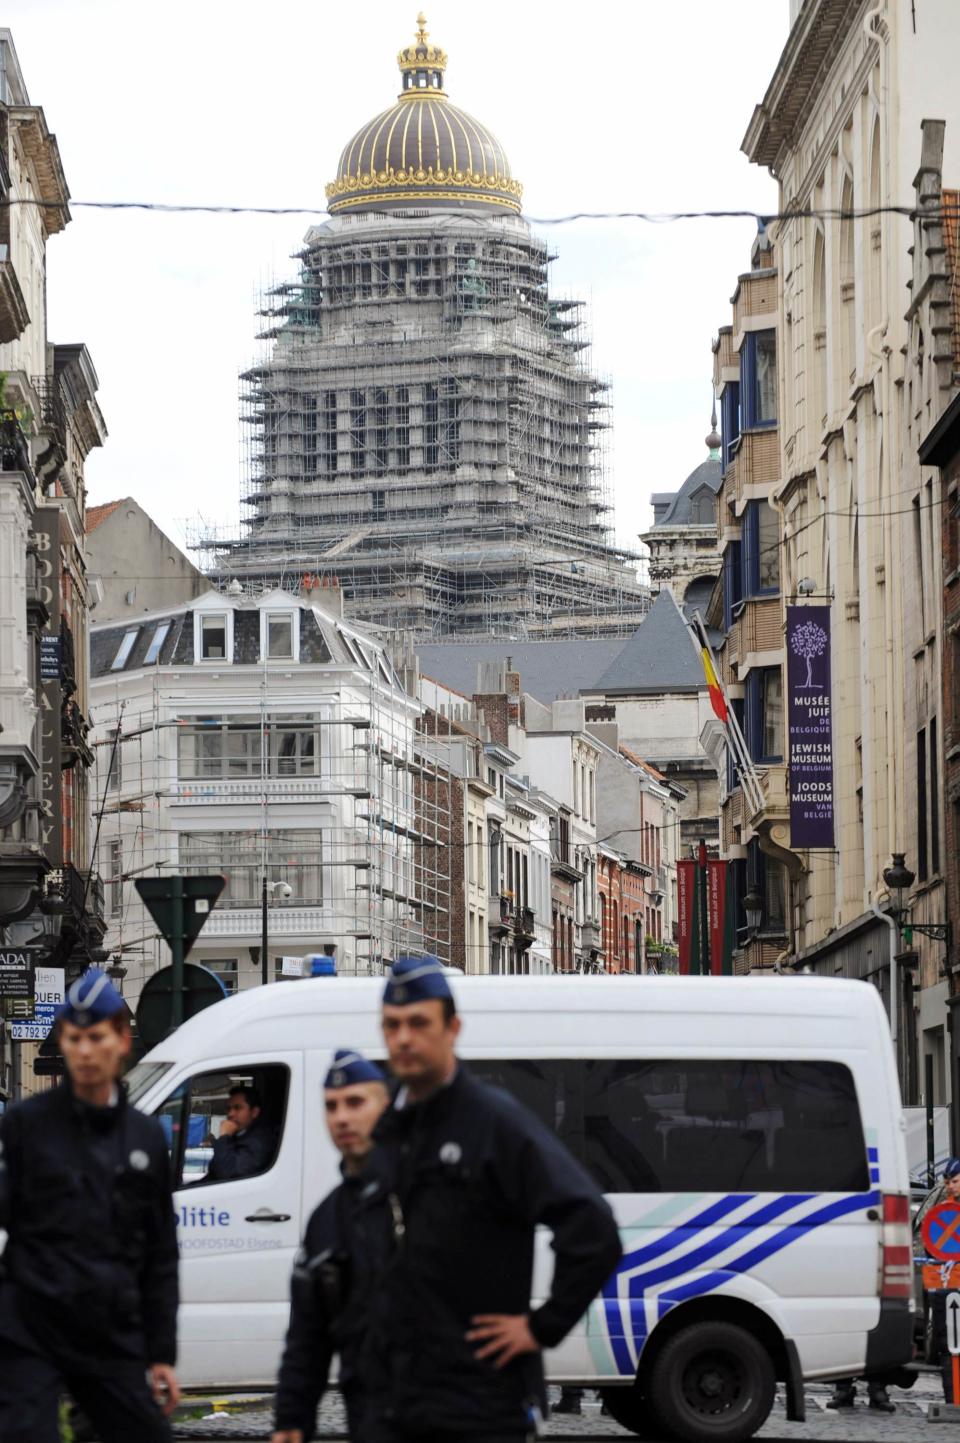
(857,1426)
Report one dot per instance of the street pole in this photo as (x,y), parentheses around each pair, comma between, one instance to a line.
(176,951)
(264,942)
(928,1099)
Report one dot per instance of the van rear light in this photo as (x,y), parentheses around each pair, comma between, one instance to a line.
(896,1260)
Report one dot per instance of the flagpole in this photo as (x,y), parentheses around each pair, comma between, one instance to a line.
(742,759)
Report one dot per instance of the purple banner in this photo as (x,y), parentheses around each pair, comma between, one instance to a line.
(809,726)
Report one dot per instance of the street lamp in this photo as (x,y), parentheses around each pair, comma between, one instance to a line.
(899,879)
(753,910)
(284,891)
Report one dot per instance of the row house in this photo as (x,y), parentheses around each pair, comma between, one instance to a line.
(863,371)
(500,830)
(931,462)
(50,899)
(746,614)
(540,891)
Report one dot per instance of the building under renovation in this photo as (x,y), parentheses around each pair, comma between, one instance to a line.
(423,430)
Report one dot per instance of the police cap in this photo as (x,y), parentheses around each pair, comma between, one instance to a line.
(91,999)
(350,1067)
(416,979)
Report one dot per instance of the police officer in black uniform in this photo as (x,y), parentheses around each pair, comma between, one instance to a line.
(453,1350)
(342,1252)
(88,1296)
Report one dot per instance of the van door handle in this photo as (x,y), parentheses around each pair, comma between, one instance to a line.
(264,1215)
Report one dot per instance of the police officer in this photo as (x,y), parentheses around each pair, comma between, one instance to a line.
(454,1350)
(246,1145)
(343,1246)
(88,1299)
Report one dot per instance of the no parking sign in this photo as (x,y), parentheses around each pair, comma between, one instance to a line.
(940,1231)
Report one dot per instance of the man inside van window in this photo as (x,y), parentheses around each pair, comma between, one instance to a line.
(342,1251)
(246,1144)
(454,1348)
(88,1297)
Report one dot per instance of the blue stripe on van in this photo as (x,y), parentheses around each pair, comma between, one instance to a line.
(873,1154)
(679,1267)
(611,1302)
(679,1234)
(738,1232)
(790,1234)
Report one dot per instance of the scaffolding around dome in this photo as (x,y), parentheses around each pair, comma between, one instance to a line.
(424,433)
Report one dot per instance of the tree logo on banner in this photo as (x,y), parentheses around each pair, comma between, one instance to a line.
(809,640)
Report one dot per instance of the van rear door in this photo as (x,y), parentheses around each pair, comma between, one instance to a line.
(238,1215)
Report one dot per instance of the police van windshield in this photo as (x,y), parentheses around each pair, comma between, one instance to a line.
(141,1078)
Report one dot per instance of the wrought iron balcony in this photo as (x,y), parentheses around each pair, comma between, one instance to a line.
(524,925)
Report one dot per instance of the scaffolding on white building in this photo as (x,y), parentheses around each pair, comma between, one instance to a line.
(336,796)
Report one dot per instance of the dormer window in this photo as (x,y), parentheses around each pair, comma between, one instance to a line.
(212,636)
(124,649)
(279,639)
(156,644)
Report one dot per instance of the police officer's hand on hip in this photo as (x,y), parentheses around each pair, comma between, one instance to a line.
(454,1349)
(89,1297)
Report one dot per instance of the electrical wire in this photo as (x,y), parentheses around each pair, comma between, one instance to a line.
(763,218)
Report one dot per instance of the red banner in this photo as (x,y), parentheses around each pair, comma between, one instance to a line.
(716,913)
(686,913)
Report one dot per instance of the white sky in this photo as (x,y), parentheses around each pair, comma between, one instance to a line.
(607,106)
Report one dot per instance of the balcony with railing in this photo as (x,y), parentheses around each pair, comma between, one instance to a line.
(775,788)
(524,926)
(14,316)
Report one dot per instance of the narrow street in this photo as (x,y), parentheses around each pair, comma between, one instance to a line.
(822,1426)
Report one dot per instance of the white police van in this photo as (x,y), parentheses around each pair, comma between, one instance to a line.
(747,1133)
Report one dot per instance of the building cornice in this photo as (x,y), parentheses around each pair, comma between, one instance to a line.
(815,41)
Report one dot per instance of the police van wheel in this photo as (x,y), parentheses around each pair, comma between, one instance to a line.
(712,1381)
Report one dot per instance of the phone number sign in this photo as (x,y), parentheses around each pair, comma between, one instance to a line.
(48,994)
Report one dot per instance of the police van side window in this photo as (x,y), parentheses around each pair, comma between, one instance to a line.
(692,1126)
(226,1125)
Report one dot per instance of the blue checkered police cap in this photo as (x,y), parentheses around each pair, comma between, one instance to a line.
(349,1068)
(91,999)
(416,979)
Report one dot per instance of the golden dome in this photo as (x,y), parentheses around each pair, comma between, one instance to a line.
(423,151)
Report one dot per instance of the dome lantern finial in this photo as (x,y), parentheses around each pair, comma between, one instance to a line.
(714,440)
(422,64)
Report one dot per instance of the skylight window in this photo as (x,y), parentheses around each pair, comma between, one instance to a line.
(125,648)
(156,644)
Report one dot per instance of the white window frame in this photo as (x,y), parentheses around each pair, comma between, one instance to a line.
(158,640)
(198,619)
(125,648)
(293,615)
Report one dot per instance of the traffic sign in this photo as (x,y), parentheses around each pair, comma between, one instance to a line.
(953,1323)
(180,905)
(940,1231)
(156,1010)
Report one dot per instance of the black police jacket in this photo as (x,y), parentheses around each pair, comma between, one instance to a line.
(242,1154)
(470,1174)
(338,1264)
(90,1267)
